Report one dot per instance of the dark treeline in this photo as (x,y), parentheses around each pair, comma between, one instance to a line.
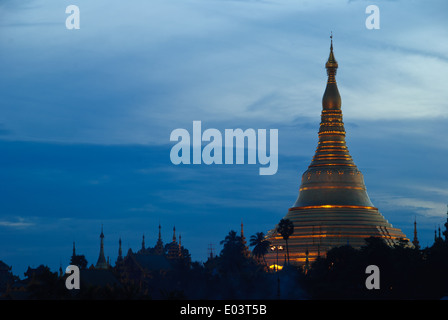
(237,273)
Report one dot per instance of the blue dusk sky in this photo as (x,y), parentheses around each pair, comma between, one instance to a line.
(86,117)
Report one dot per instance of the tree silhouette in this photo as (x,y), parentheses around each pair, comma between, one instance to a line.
(79,260)
(260,244)
(232,254)
(231,239)
(286,228)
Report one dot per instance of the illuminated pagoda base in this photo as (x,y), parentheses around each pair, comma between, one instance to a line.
(317,229)
(333,207)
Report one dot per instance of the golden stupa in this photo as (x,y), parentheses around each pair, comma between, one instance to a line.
(333,207)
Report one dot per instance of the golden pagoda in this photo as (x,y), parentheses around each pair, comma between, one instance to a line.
(333,207)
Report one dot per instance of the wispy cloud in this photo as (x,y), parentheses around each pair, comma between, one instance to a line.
(424,207)
(212,61)
(17,223)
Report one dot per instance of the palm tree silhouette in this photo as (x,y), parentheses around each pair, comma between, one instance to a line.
(260,244)
(231,239)
(286,228)
(232,255)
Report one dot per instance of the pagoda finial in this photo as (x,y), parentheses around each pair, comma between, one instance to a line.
(331,99)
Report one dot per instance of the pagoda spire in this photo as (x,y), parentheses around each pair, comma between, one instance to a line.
(332,177)
(159,249)
(120,251)
(332,193)
(415,242)
(243,238)
(101,263)
(331,99)
(332,149)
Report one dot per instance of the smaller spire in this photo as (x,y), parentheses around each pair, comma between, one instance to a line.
(120,252)
(60,269)
(210,250)
(159,248)
(243,238)
(415,242)
(101,263)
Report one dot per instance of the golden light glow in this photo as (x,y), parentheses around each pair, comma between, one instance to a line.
(338,119)
(338,236)
(332,124)
(317,159)
(332,155)
(331,146)
(332,132)
(333,150)
(330,141)
(332,112)
(326,206)
(332,187)
(275,267)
